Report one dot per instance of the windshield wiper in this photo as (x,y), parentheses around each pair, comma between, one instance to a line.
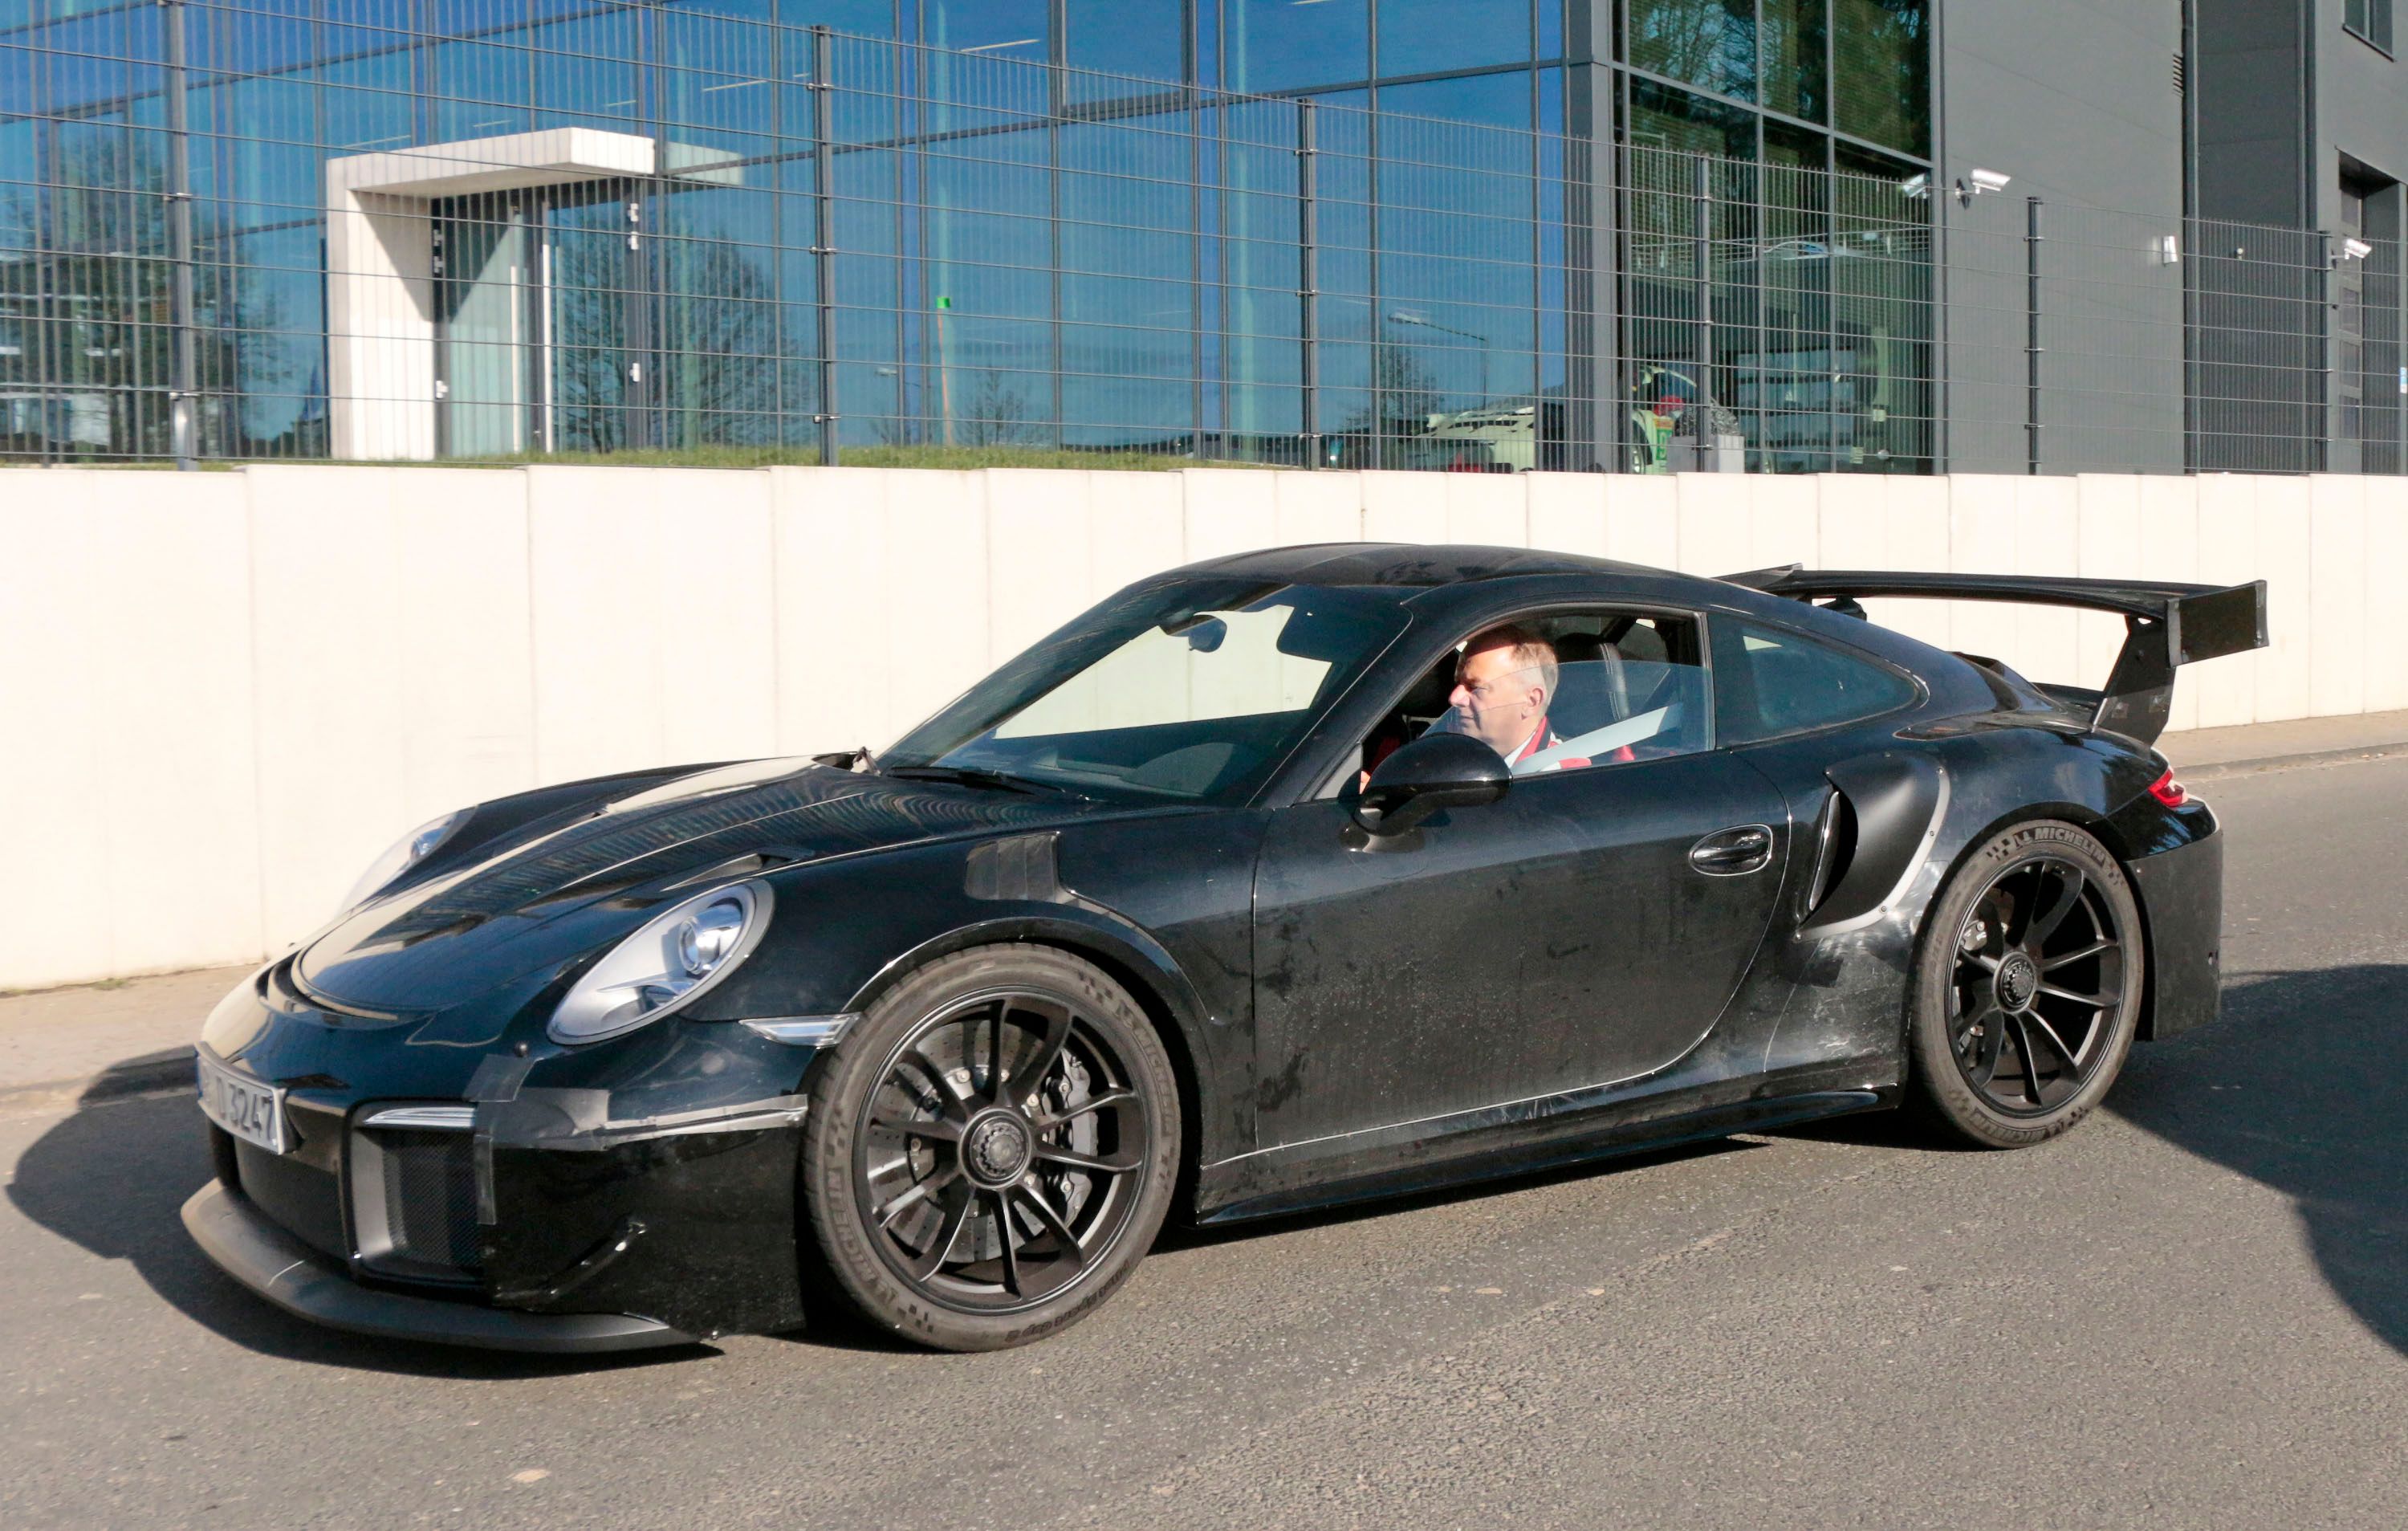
(980,777)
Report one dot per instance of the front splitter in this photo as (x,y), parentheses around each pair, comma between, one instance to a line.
(253,1250)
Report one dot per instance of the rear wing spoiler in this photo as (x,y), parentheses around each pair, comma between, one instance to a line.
(2165,625)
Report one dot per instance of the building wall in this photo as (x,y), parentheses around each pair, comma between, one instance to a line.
(2249,89)
(228,691)
(2075,99)
(2361,110)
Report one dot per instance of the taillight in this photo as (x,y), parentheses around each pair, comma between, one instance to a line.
(2170,791)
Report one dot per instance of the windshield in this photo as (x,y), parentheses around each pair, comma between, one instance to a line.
(1190,689)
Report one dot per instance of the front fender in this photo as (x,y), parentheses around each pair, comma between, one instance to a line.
(847,930)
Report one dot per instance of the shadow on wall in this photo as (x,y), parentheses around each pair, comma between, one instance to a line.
(2300,1087)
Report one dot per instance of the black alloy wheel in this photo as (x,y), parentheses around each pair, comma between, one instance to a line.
(992,1150)
(2038,981)
(2028,987)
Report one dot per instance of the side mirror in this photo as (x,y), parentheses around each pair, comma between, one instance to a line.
(1434,771)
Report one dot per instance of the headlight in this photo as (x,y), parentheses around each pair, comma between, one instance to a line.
(666,965)
(405,853)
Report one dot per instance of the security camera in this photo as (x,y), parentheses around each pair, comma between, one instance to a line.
(2355,250)
(1915,186)
(1975,181)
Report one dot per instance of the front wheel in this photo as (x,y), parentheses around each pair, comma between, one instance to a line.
(2027,989)
(992,1150)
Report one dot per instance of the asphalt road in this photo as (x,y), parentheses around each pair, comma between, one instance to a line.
(2192,1311)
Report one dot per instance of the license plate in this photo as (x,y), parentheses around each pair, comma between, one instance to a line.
(252,1111)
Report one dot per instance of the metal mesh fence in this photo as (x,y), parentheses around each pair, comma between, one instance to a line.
(465,229)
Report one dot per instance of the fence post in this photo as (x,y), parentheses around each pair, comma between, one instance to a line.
(2328,278)
(1307,282)
(1708,434)
(183,392)
(823,87)
(2031,334)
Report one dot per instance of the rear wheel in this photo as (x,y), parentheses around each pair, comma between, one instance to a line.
(992,1149)
(2027,990)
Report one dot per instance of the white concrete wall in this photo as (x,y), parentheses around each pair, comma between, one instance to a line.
(224,693)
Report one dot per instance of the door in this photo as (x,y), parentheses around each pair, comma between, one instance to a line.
(483,333)
(543,301)
(597,300)
(1559,938)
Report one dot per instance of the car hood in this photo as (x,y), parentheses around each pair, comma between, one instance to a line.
(540,902)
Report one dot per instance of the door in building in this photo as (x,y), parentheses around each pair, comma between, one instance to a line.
(543,298)
(597,288)
(484,340)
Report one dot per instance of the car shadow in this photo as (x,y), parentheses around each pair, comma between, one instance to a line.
(1178,1235)
(2300,1088)
(2297,1087)
(112,1176)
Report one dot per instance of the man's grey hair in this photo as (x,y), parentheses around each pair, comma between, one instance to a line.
(1529,652)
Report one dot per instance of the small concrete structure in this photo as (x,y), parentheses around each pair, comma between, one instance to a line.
(380,279)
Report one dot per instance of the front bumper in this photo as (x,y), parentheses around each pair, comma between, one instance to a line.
(641,1190)
(253,1250)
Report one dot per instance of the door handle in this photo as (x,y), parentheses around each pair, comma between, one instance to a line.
(1733,852)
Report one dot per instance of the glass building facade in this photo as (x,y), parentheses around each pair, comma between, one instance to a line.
(1483,233)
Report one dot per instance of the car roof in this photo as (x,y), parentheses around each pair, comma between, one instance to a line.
(1409,567)
(1415,564)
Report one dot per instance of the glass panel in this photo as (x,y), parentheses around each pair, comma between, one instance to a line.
(1793,45)
(1259,270)
(481,329)
(1667,375)
(718,317)
(86,66)
(366,102)
(1013,29)
(591,287)
(278,322)
(1662,118)
(1768,683)
(1430,36)
(988,257)
(583,72)
(247,41)
(1277,44)
(1197,690)
(1128,295)
(1880,52)
(861,18)
(476,87)
(1707,43)
(1140,37)
(1572,691)
(1881,316)
(1786,387)
(1454,364)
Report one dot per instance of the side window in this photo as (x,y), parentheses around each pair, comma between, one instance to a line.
(1568,690)
(1769,683)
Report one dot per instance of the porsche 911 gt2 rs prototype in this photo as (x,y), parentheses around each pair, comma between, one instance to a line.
(1277,881)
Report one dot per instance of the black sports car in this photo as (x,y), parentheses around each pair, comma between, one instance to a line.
(1273,882)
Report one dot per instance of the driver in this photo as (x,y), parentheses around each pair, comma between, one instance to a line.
(1502,685)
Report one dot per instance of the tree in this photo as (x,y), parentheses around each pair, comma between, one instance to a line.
(997,415)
